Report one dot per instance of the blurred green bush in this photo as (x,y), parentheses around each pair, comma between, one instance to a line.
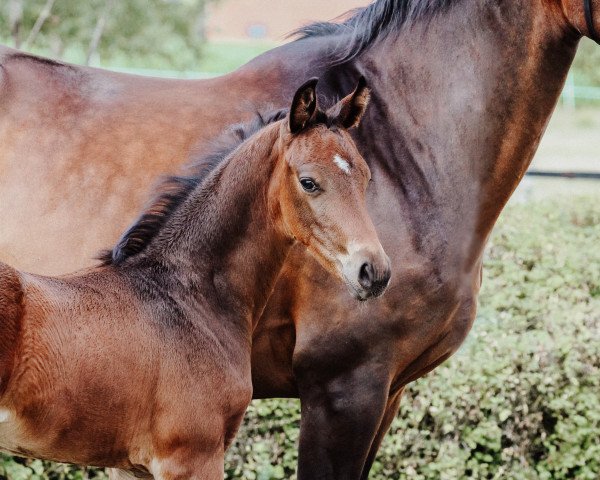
(520,400)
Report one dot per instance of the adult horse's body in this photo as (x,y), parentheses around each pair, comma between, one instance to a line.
(462,92)
(143,364)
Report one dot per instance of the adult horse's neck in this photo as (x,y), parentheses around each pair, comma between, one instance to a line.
(225,244)
(460,101)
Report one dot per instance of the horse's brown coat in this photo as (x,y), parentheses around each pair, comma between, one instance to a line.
(462,92)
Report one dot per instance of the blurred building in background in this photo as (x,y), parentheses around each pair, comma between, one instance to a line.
(269,19)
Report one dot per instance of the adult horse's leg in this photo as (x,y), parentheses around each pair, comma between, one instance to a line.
(390,413)
(341,416)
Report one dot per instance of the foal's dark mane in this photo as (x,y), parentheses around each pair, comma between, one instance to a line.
(363,27)
(173,190)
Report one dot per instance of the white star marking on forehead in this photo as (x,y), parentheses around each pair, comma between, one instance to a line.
(343,164)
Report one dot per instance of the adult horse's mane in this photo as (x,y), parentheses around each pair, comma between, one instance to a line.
(363,27)
(173,190)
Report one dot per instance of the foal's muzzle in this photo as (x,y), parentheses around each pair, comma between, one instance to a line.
(367,273)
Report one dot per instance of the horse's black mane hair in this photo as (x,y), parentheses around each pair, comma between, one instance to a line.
(173,190)
(362,27)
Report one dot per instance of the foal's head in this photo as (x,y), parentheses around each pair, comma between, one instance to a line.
(322,180)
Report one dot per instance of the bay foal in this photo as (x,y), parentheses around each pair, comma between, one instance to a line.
(143,364)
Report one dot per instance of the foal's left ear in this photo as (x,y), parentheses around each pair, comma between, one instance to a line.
(354,105)
(304,106)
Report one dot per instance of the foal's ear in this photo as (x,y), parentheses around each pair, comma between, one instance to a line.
(304,106)
(354,105)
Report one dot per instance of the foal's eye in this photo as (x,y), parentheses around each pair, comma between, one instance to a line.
(309,185)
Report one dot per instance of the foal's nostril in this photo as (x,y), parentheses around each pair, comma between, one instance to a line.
(373,281)
(381,284)
(365,275)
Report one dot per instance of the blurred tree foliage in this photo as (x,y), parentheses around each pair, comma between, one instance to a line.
(167,30)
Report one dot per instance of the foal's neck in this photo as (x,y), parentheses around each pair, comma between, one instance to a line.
(225,243)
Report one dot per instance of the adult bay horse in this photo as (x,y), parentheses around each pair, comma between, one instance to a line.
(462,92)
(143,364)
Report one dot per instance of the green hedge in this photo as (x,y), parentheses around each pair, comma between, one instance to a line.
(520,400)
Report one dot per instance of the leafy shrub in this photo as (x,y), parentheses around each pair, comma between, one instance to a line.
(520,400)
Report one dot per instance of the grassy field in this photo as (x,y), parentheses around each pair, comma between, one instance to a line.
(213,58)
